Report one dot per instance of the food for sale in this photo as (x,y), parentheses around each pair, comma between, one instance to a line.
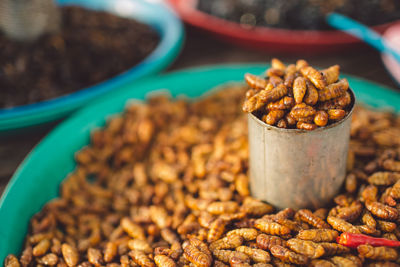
(164,184)
(298,96)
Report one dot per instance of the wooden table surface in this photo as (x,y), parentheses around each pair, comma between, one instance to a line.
(201,49)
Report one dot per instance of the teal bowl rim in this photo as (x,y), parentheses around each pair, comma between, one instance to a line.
(158,15)
(65,136)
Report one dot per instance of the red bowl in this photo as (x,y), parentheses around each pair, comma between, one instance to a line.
(265,38)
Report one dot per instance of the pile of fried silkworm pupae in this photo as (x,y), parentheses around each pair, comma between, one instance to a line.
(166,184)
(298,96)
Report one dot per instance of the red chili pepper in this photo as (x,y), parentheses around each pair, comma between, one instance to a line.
(354,240)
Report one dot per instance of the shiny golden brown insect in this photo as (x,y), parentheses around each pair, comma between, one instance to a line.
(308,217)
(287,255)
(382,211)
(377,253)
(255,254)
(318,235)
(305,247)
(267,241)
(270,227)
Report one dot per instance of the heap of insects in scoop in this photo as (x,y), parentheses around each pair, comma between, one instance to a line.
(298,96)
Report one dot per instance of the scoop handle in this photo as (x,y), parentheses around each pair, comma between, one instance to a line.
(362,32)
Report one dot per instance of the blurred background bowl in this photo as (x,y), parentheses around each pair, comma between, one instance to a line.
(266,38)
(157,15)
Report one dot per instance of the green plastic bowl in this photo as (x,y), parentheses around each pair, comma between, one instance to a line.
(38,178)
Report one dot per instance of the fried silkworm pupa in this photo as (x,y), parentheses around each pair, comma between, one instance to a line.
(140,258)
(391,165)
(248,234)
(321,263)
(308,217)
(341,225)
(370,193)
(290,76)
(271,227)
(395,190)
(382,211)
(314,76)
(333,249)
(304,247)
(331,74)
(351,183)
(242,185)
(254,207)
(342,262)
(321,118)
(218,263)
(70,255)
(277,64)
(174,254)
(306,126)
(271,72)
(282,123)
(140,245)
(41,248)
(286,102)
(164,261)
(287,255)
(226,255)
(94,256)
(217,228)
(262,265)
(311,96)
(302,111)
(384,178)
(222,207)
(267,241)
(255,82)
(110,251)
(386,226)
(132,229)
(377,253)
(195,256)
(49,259)
(299,89)
(11,261)
(26,256)
(338,102)
(273,116)
(275,80)
(336,114)
(292,225)
(318,235)
(228,242)
(301,63)
(287,213)
(259,99)
(255,254)
(333,90)
(351,213)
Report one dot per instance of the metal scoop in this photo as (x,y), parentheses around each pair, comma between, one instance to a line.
(297,168)
(26,20)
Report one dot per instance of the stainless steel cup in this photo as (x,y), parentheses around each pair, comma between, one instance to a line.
(297,168)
